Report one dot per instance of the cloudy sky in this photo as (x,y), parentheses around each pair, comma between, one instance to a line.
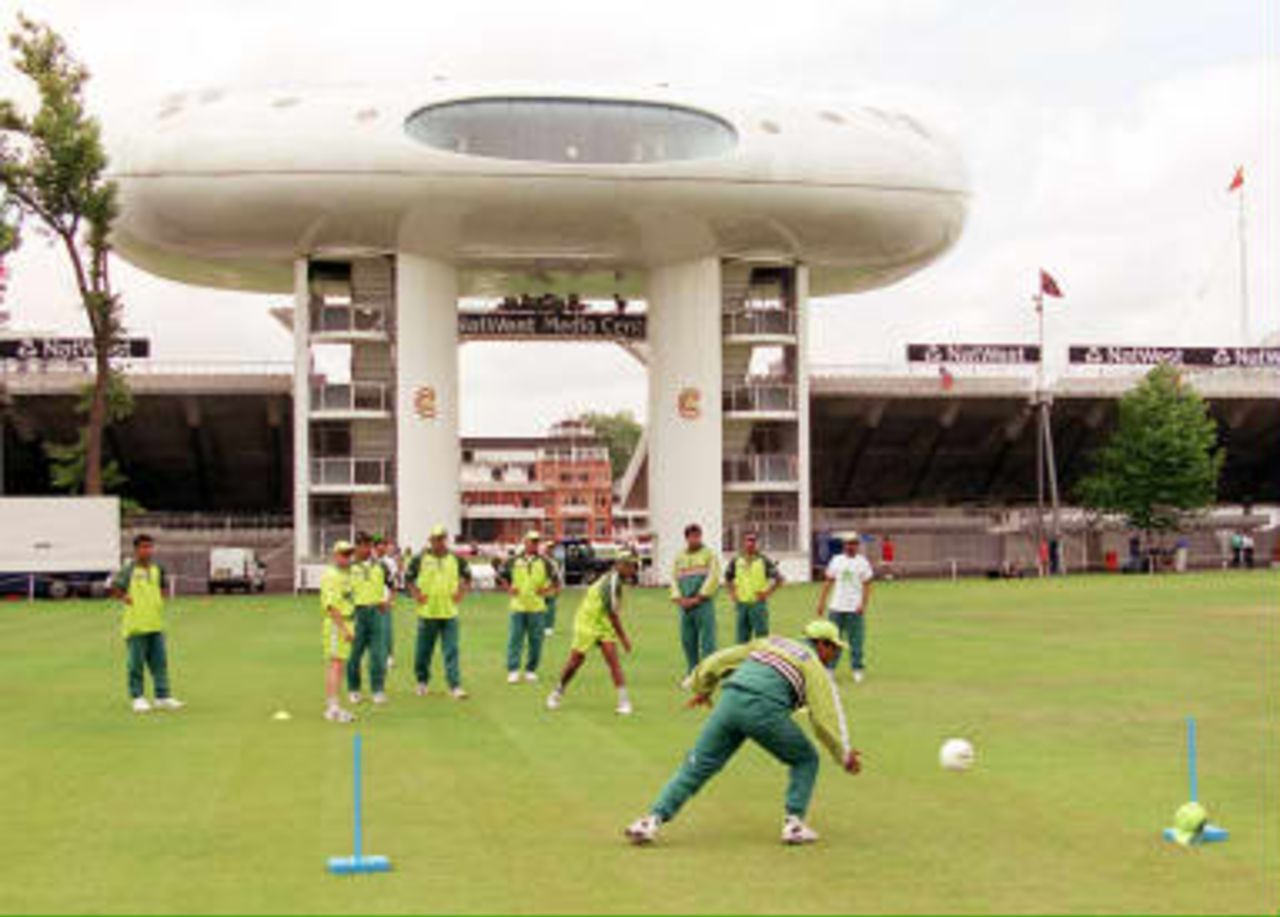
(1100,136)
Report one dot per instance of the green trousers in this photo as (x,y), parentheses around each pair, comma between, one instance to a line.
(738,716)
(853,627)
(753,620)
(373,629)
(698,632)
(525,627)
(549,622)
(445,631)
(147,651)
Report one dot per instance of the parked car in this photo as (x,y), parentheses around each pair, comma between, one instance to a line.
(579,561)
(236,568)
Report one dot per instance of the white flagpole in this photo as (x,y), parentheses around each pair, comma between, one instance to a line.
(1244,275)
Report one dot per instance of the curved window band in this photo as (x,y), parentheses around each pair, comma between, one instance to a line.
(571,130)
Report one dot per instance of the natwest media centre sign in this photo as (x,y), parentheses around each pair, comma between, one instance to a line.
(1206,357)
(974,354)
(562,325)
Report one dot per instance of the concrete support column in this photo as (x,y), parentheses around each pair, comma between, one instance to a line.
(685,425)
(428,458)
(804,536)
(301,416)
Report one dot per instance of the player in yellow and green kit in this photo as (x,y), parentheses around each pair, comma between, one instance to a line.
(140,586)
(765,682)
(372,621)
(438,580)
(599,623)
(529,578)
(695,577)
(752,577)
(338,606)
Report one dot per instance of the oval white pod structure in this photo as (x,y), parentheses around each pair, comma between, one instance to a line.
(227,188)
(956,755)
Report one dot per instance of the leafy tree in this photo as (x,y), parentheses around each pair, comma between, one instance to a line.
(1162,461)
(67,461)
(621,433)
(52,170)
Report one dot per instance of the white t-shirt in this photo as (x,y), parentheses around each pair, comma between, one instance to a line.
(849,574)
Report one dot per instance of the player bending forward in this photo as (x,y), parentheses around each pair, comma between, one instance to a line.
(765,681)
(598,623)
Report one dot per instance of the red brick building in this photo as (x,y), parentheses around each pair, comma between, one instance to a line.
(560,484)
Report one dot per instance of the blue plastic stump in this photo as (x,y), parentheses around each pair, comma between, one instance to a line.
(1211,833)
(358,862)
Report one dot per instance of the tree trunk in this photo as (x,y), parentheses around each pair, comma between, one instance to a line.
(97,419)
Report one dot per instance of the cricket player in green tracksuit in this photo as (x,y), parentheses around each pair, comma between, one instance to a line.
(438,580)
(599,623)
(140,586)
(369,592)
(337,604)
(764,682)
(752,578)
(529,578)
(695,576)
(553,600)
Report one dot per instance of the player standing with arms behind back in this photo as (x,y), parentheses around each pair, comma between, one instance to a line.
(140,587)
(850,574)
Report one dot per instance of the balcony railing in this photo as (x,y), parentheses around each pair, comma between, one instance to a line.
(759,321)
(761,469)
(348,318)
(754,397)
(352,396)
(772,536)
(348,471)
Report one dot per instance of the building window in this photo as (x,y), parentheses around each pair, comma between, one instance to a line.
(571,130)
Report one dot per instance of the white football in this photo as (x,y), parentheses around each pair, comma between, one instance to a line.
(956,755)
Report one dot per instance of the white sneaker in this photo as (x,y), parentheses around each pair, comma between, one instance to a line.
(354,697)
(549,632)
(338,715)
(141,705)
(643,830)
(794,831)
(687,683)
(459,694)
(168,703)
(554,699)
(391,662)
(858,676)
(624,708)
(531,676)
(380,697)
(421,690)
(513,678)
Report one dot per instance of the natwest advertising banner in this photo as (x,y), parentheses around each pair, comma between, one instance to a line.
(68,349)
(1209,357)
(974,354)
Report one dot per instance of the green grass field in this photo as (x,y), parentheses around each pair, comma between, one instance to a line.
(1074,693)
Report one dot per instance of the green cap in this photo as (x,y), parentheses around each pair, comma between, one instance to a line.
(822,629)
(439,531)
(533,535)
(343,547)
(1189,822)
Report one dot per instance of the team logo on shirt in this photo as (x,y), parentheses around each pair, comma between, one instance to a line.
(689,403)
(424,402)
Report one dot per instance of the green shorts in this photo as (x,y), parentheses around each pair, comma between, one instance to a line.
(335,647)
(587,634)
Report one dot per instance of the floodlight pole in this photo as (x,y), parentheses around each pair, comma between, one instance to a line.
(1244,275)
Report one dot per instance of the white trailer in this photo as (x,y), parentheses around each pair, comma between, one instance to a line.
(58,546)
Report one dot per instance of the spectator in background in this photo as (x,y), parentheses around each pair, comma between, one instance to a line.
(888,554)
(1237,549)
(619,304)
(1246,548)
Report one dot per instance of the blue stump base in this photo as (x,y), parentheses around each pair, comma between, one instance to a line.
(1211,835)
(346,866)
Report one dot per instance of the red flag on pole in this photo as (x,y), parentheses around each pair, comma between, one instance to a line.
(1049,286)
(1237,180)
(948,380)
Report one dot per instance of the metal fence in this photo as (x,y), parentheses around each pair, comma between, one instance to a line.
(762,469)
(349,471)
(759,321)
(352,396)
(759,397)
